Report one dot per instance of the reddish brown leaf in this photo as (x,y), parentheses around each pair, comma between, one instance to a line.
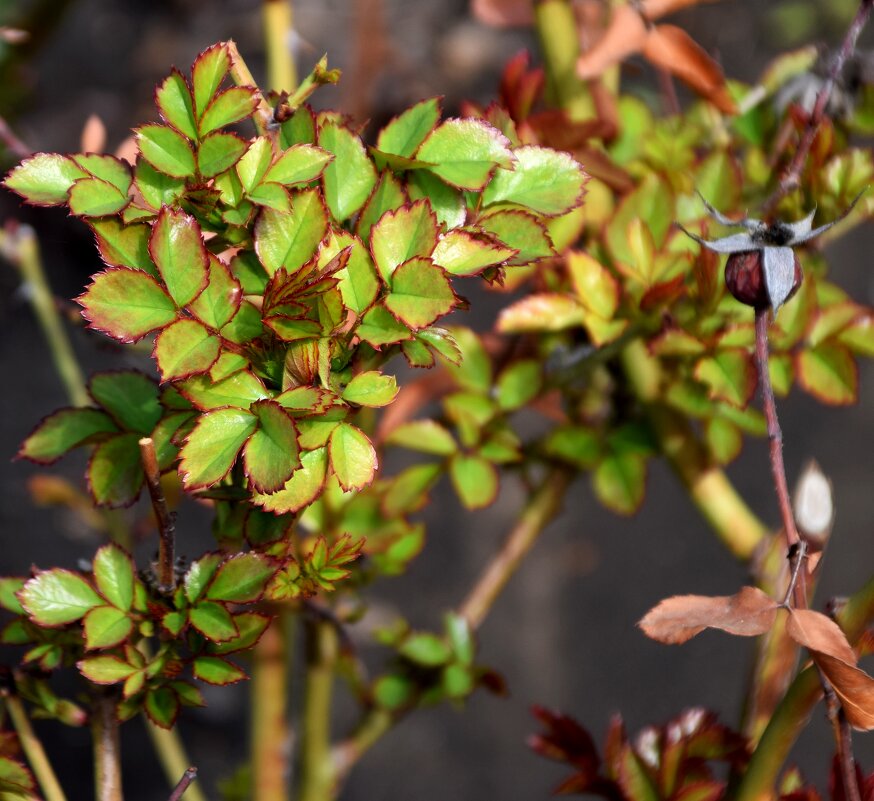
(626,35)
(819,634)
(653,9)
(748,613)
(672,49)
(504,13)
(93,136)
(853,686)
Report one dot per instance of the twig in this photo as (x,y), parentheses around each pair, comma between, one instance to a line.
(843,741)
(32,747)
(278,19)
(166,524)
(242,76)
(172,756)
(189,776)
(791,177)
(797,555)
(105,740)
(13,144)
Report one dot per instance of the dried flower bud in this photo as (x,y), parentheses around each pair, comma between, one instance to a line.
(745,278)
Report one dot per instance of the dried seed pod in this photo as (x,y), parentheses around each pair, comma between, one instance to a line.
(745,278)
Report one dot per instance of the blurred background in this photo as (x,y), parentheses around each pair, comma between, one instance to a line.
(563,633)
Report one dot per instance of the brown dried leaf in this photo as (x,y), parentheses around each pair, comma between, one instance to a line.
(625,36)
(672,49)
(128,150)
(503,13)
(653,9)
(819,634)
(748,613)
(853,686)
(93,139)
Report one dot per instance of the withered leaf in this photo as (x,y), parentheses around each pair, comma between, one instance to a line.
(625,36)
(653,9)
(819,634)
(853,686)
(748,613)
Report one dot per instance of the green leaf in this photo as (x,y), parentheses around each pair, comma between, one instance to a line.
(651,203)
(730,376)
(106,626)
(829,373)
(219,152)
(178,251)
(176,104)
(469,253)
(157,188)
(207,74)
(166,150)
(457,681)
(406,132)
(401,235)
(200,574)
(185,348)
(115,472)
(522,232)
(724,439)
(466,152)
(299,164)
(126,304)
(239,390)
(596,288)
(114,576)
(542,312)
(232,105)
(353,458)
(447,202)
(620,482)
(349,179)
(387,195)
(241,579)
(393,692)
(475,480)
(359,284)
(370,388)
(124,245)
(302,488)
(378,327)
(57,597)
(420,293)
(244,326)
(112,170)
(10,586)
(518,384)
(221,299)
(105,669)
(91,197)
(162,706)
(547,181)
(574,444)
(44,179)
(213,621)
(212,447)
(130,397)
(460,637)
(290,240)
(215,670)
(425,436)
(64,430)
(250,626)
(271,455)
(15,779)
(253,166)
(427,650)
(408,491)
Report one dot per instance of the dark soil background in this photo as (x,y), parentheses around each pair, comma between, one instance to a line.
(563,634)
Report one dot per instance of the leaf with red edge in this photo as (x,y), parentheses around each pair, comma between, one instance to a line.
(232,105)
(207,74)
(64,430)
(401,235)
(853,686)
(353,457)
(300,164)
(290,240)
(388,194)
(378,327)
(115,471)
(185,348)
(126,304)
(176,105)
(466,152)
(106,627)
(123,245)
(469,253)
(522,231)
(92,197)
(212,447)
(546,311)
(177,248)
(349,179)
(671,48)
(166,150)
(162,706)
(221,298)
(829,373)
(57,597)
(215,670)
(420,293)
(302,488)
(219,152)
(271,454)
(44,179)
(675,620)
(404,133)
(241,579)
(729,374)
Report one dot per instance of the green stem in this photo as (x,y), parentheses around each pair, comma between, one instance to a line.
(105,741)
(278,19)
(791,716)
(557,32)
(713,494)
(270,730)
(33,750)
(317,772)
(173,758)
(242,76)
(22,248)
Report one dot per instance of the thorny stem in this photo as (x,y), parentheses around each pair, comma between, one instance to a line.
(105,740)
(242,76)
(278,19)
(166,524)
(797,555)
(843,741)
(791,178)
(32,747)
(172,756)
(189,776)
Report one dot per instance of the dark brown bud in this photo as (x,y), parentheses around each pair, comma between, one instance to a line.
(745,278)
